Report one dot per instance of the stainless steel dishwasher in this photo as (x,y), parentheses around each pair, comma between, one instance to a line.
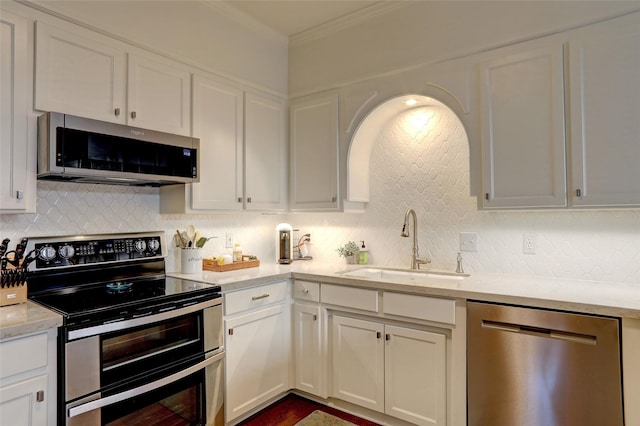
(535,367)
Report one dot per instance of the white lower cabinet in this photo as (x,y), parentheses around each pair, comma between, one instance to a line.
(258,347)
(309,349)
(399,371)
(23,403)
(28,379)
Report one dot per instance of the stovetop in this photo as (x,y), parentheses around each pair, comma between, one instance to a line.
(92,304)
(97,279)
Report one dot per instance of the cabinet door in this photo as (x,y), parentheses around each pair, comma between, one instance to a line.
(415,375)
(265,154)
(358,362)
(314,154)
(257,358)
(605,111)
(309,349)
(80,75)
(159,93)
(522,113)
(217,122)
(25,403)
(14,77)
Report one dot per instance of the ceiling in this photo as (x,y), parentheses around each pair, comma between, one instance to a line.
(291,17)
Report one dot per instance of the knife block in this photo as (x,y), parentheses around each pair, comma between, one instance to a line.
(14,287)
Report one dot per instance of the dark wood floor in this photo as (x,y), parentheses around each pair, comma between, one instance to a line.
(293,408)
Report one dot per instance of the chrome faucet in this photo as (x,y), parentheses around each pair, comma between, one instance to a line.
(416,260)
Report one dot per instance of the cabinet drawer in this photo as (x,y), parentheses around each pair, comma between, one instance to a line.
(23,354)
(306,290)
(420,307)
(357,298)
(255,297)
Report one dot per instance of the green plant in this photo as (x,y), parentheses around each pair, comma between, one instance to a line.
(349,249)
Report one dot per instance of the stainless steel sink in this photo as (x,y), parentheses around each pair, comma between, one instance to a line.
(403,274)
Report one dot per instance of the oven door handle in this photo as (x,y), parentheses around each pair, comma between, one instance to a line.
(113,399)
(144,320)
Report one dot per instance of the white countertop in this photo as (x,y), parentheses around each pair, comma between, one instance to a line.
(25,318)
(597,297)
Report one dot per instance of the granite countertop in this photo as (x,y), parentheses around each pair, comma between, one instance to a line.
(596,297)
(25,318)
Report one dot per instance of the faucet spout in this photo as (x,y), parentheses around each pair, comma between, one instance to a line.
(416,260)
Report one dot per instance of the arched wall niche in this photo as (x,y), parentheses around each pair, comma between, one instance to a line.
(366,133)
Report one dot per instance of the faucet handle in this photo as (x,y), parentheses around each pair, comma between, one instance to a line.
(422,261)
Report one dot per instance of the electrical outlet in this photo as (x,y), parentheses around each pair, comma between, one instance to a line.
(529,243)
(468,241)
(228,241)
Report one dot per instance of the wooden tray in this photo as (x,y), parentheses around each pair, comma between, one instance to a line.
(212,265)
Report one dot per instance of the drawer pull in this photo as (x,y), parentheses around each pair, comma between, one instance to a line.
(133,114)
(231,332)
(315,317)
(40,396)
(387,337)
(378,335)
(264,296)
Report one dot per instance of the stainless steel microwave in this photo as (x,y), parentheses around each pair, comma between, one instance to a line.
(72,148)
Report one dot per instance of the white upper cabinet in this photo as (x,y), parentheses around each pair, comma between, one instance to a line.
(265,152)
(79,74)
(217,122)
(522,117)
(17,171)
(83,73)
(605,116)
(159,95)
(314,153)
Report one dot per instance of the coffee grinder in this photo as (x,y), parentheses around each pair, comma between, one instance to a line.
(284,243)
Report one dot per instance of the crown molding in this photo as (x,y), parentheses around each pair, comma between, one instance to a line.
(243,19)
(346,21)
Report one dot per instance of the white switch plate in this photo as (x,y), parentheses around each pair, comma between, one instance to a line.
(468,241)
(228,241)
(529,243)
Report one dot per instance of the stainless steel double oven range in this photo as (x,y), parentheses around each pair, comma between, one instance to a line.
(136,347)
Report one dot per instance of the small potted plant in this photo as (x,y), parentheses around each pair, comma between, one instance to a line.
(349,251)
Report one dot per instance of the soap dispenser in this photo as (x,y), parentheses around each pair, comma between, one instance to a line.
(363,255)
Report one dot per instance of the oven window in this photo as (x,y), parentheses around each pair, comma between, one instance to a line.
(177,404)
(122,349)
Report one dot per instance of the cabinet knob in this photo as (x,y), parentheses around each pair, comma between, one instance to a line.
(239,199)
(378,335)
(231,332)
(333,199)
(117,112)
(578,193)
(305,291)
(40,396)
(133,114)
(486,196)
(387,337)
(315,317)
(19,194)
(248,199)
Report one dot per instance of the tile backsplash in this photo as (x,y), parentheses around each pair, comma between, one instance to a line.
(421,161)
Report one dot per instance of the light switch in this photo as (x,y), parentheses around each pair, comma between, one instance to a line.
(468,241)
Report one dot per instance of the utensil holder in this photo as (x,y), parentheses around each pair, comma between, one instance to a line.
(191,260)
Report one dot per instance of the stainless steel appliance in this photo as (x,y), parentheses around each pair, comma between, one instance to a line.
(136,347)
(535,367)
(284,243)
(84,150)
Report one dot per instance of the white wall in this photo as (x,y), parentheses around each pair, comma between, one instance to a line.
(431,31)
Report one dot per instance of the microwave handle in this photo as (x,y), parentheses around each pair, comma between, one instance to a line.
(113,399)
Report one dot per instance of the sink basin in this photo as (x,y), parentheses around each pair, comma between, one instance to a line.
(403,275)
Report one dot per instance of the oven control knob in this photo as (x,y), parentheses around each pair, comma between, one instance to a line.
(47,253)
(140,246)
(66,251)
(153,245)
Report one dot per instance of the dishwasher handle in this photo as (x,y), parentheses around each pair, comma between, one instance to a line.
(540,332)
